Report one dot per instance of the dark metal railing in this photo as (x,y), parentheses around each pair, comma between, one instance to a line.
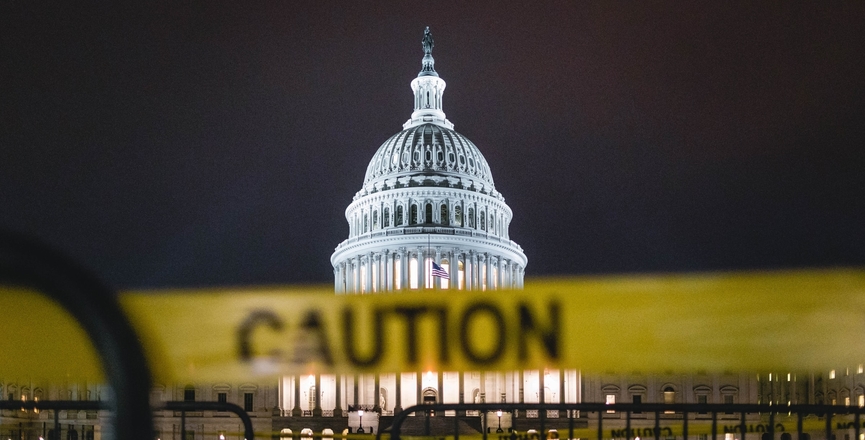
(27,263)
(185,407)
(82,405)
(670,414)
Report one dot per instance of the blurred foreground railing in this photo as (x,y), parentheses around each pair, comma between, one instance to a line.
(652,421)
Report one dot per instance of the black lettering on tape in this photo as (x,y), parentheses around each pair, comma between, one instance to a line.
(244,332)
(349,333)
(531,325)
(465,338)
(311,341)
(410,314)
(444,353)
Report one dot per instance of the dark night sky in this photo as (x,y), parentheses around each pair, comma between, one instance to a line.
(219,143)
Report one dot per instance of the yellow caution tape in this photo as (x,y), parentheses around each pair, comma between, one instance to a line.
(790,320)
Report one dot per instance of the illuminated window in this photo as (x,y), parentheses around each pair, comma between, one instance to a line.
(861,369)
(610,400)
(445,283)
(669,395)
(669,398)
(861,401)
(412,273)
(831,374)
(847,401)
(397,272)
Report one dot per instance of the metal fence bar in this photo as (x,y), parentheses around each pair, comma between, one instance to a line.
(28,263)
(183,407)
(600,425)
(770,411)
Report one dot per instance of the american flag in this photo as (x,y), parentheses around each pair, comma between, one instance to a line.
(437,271)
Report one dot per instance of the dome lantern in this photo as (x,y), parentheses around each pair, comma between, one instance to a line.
(428,89)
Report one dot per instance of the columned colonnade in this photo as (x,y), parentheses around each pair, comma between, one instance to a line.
(408,268)
(392,393)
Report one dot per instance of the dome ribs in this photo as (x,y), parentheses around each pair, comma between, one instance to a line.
(428,149)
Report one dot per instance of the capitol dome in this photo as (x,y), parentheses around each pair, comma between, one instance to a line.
(428,215)
(428,150)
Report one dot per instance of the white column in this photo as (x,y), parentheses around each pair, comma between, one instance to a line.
(468,270)
(421,268)
(403,273)
(501,274)
(336,279)
(388,270)
(368,282)
(377,272)
(522,274)
(482,266)
(351,284)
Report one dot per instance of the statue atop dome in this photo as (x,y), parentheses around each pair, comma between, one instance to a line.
(427,42)
(428,61)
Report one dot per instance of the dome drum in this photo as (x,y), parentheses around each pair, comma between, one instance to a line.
(425,206)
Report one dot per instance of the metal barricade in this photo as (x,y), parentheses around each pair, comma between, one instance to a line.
(680,416)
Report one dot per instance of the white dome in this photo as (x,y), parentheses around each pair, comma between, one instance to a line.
(428,199)
(428,149)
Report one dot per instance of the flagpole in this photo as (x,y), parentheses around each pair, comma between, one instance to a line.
(428,251)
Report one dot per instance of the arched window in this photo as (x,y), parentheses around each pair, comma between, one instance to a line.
(492,223)
(413,215)
(669,395)
(375,219)
(385,219)
(365,223)
(471,217)
(428,212)
(398,221)
(458,215)
(483,221)
(445,218)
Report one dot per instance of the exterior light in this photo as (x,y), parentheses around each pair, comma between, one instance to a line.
(221,436)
